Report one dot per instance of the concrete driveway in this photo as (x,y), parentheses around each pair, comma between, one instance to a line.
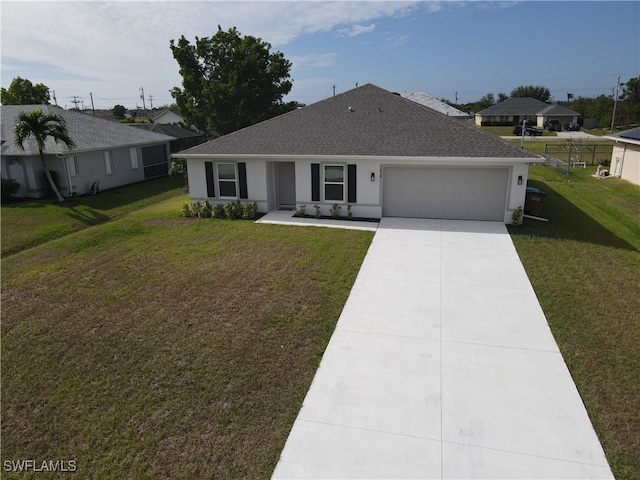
(442,365)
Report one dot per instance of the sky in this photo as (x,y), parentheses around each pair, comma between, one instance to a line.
(111,52)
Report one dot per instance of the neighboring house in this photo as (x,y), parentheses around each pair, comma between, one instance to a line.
(435,104)
(625,158)
(369,149)
(167,117)
(112,153)
(184,138)
(515,110)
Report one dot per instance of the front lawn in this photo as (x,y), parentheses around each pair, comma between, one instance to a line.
(154,346)
(584,265)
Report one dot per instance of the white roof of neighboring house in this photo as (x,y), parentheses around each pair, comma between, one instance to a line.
(434,104)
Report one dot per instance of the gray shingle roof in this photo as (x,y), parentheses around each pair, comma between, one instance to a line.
(525,106)
(88,132)
(633,134)
(367,121)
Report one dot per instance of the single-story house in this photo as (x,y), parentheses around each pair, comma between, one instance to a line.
(435,104)
(184,138)
(515,110)
(368,149)
(111,153)
(625,158)
(167,117)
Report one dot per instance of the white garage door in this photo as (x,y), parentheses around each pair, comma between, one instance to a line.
(445,192)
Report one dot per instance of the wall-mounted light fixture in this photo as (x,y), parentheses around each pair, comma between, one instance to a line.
(373,176)
(519,179)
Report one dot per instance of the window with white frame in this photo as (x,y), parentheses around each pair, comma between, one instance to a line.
(73,166)
(334,183)
(133,154)
(227,179)
(108,162)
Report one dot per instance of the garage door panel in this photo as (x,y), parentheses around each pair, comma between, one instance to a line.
(445,192)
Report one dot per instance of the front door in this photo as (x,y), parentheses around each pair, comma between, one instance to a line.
(286,177)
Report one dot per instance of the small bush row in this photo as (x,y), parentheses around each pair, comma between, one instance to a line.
(232,211)
(9,188)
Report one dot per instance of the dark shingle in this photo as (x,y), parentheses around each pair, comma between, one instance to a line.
(367,121)
(87,132)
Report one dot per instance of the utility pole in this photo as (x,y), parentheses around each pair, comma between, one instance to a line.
(75,101)
(54,98)
(151,101)
(456,98)
(615,103)
(144,107)
(92,107)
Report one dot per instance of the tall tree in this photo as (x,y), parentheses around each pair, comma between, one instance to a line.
(22,92)
(630,101)
(534,91)
(41,125)
(229,81)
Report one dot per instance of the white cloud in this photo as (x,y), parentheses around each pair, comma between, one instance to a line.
(356,30)
(112,48)
(313,60)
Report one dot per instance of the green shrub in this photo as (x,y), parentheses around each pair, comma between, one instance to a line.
(516,217)
(9,188)
(317,209)
(218,211)
(349,213)
(206,211)
(233,210)
(196,208)
(335,210)
(186,210)
(250,211)
(301,211)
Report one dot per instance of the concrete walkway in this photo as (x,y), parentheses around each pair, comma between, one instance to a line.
(442,365)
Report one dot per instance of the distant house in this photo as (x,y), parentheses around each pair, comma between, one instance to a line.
(167,117)
(515,110)
(369,151)
(434,104)
(184,138)
(110,153)
(625,158)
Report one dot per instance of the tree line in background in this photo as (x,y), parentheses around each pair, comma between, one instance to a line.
(230,81)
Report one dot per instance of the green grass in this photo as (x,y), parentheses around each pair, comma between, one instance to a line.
(154,346)
(584,265)
(29,223)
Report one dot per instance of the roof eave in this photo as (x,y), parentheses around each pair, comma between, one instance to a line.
(381,158)
(622,139)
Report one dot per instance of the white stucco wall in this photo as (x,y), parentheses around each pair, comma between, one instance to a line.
(262,183)
(625,161)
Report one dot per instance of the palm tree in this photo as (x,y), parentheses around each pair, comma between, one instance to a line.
(41,125)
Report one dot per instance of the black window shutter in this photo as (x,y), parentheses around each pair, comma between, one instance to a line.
(351,185)
(315,182)
(211,187)
(242,178)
